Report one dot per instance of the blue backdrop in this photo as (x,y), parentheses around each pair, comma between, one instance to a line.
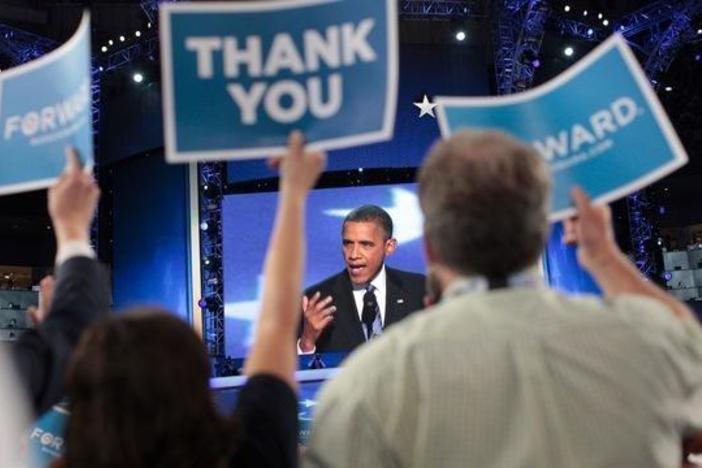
(562,269)
(151,249)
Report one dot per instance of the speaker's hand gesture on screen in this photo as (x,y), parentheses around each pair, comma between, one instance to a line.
(318,314)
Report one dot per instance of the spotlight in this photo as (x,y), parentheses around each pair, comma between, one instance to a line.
(536,63)
(204,226)
(566,8)
(121,38)
(110,42)
(138,77)
(698,57)
(148,25)
(212,263)
(699,31)
(590,32)
(584,12)
(599,16)
(668,88)
(568,51)
(103,48)
(137,34)
(461,36)
(605,22)
(101,68)
(667,276)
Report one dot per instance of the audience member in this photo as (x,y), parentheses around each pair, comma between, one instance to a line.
(80,295)
(15,414)
(138,383)
(504,372)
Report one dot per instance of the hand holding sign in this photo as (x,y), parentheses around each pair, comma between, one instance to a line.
(591,231)
(73,201)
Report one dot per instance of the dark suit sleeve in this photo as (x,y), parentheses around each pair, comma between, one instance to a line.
(81,296)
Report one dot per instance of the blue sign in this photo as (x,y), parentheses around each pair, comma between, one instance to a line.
(46,439)
(598,125)
(239,76)
(247,221)
(45,105)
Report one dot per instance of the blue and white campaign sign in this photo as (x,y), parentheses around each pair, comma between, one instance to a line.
(45,105)
(599,125)
(46,438)
(239,76)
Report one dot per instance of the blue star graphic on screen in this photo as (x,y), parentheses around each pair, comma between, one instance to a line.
(247,223)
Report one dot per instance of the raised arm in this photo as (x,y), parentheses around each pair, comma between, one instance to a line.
(274,349)
(599,254)
(81,293)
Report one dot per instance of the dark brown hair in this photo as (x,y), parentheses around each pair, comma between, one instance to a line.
(139,395)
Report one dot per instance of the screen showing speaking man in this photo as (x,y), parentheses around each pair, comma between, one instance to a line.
(247,220)
(356,304)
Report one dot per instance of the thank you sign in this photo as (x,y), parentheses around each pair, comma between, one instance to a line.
(239,76)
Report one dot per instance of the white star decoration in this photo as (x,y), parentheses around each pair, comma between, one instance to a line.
(425,107)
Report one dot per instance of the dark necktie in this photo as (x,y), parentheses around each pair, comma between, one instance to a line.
(370,316)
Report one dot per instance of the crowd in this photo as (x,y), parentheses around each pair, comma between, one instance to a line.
(500,371)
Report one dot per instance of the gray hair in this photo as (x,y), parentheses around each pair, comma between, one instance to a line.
(485,199)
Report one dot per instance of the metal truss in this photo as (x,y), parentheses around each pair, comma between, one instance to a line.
(642,28)
(519,30)
(21,46)
(667,42)
(150,9)
(146,48)
(212,302)
(442,9)
(575,29)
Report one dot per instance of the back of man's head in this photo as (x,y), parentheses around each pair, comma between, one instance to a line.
(485,199)
(371,214)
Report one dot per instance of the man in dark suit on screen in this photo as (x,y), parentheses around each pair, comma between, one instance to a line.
(354,306)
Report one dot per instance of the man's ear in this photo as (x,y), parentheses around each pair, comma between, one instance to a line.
(428,251)
(390,246)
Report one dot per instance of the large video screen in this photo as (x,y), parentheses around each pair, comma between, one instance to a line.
(247,221)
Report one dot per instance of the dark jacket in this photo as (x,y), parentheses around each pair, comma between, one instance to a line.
(405,294)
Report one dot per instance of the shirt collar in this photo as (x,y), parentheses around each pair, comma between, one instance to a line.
(528,278)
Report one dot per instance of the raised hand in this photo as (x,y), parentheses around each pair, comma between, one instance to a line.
(591,231)
(73,200)
(299,170)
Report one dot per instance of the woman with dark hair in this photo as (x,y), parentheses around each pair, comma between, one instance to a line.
(138,383)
